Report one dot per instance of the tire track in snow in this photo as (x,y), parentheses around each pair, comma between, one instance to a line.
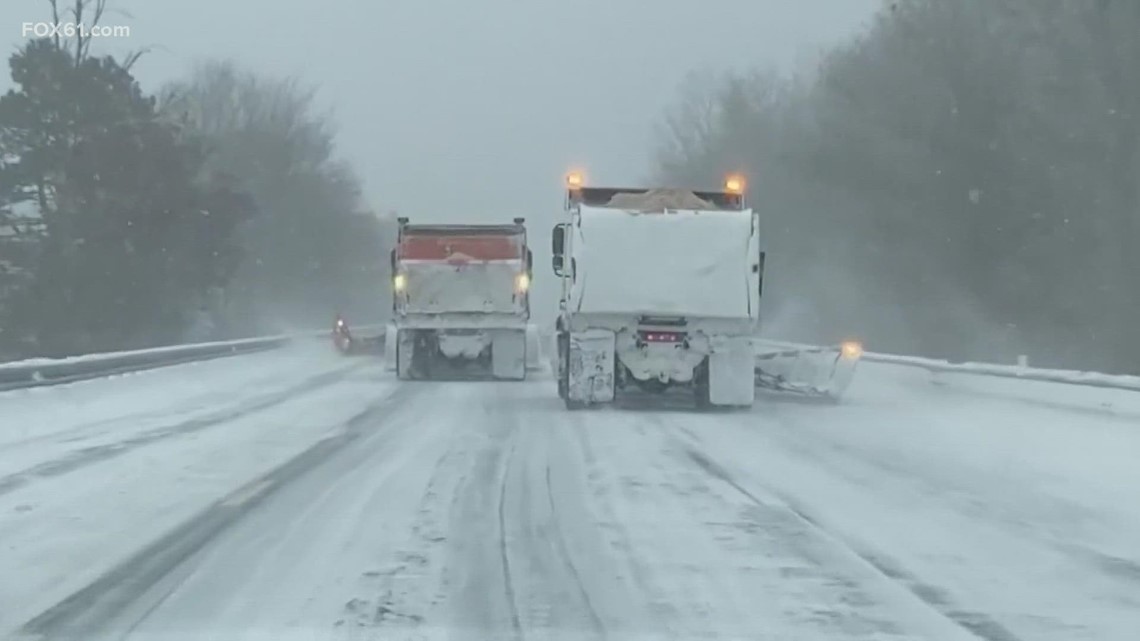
(504,557)
(86,431)
(620,541)
(87,612)
(1046,521)
(421,552)
(482,600)
(98,453)
(539,590)
(690,573)
(564,553)
(977,624)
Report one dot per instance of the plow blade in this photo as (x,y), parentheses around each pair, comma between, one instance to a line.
(822,372)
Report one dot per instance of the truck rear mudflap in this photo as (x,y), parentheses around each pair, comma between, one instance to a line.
(588,377)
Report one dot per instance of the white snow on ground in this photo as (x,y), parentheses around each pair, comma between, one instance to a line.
(1023,511)
(61,529)
(1051,375)
(481,510)
(953,508)
(43,417)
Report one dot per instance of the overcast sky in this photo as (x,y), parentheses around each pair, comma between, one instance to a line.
(475,108)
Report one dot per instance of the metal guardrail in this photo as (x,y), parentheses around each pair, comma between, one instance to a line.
(45,372)
(1066,377)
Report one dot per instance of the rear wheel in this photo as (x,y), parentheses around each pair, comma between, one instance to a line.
(701,385)
(563,369)
(401,373)
(426,348)
(564,374)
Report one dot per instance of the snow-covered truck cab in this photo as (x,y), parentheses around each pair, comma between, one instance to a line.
(660,288)
(461,301)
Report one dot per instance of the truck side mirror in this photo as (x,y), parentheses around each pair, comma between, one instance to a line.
(558,240)
(529,261)
(558,248)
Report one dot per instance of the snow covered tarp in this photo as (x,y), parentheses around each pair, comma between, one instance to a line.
(672,262)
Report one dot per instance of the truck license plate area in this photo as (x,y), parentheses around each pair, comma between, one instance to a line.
(647,337)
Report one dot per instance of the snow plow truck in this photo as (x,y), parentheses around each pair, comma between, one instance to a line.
(461,302)
(661,288)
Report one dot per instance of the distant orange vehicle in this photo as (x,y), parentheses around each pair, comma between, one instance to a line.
(342,337)
(347,344)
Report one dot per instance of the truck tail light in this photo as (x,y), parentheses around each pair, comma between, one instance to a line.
(662,337)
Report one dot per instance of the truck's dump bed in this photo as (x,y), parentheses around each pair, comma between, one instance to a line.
(462,245)
(461,268)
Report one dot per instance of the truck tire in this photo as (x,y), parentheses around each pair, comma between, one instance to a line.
(424,354)
(701,386)
(396,349)
(402,373)
(563,374)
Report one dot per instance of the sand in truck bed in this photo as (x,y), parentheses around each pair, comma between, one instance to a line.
(659,200)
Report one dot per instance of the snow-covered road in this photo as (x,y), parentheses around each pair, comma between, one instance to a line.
(297,495)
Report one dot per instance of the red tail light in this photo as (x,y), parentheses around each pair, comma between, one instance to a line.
(662,337)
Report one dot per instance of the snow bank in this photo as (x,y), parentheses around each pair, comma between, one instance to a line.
(686,263)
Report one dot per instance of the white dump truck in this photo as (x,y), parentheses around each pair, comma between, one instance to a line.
(461,302)
(661,288)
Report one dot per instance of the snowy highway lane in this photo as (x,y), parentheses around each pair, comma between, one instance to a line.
(972,509)
(92,471)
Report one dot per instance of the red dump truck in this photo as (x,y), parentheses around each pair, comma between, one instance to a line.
(461,302)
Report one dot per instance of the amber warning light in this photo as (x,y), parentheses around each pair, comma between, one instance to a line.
(734,184)
(575,180)
(851,350)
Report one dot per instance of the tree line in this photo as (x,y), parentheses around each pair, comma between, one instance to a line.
(215,208)
(961,180)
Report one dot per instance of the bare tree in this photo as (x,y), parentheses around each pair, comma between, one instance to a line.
(969,168)
(313,249)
